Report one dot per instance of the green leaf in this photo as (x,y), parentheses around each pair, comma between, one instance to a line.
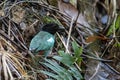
(77,50)
(79,61)
(117,44)
(49,74)
(60,71)
(117,23)
(110,30)
(117,26)
(61,53)
(65,58)
(54,66)
(76,73)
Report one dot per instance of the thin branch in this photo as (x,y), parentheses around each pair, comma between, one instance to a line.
(62,40)
(69,34)
(96,71)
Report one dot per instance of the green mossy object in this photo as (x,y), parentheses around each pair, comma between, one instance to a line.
(42,41)
(47,20)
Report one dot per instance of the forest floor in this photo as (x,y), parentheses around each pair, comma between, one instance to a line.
(88,49)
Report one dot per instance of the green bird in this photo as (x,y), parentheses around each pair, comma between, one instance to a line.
(44,41)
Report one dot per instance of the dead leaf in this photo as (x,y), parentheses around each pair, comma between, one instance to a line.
(18,14)
(83,25)
(67,9)
(95,37)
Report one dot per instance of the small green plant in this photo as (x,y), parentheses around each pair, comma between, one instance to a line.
(115,26)
(115,30)
(77,52)
(63,67)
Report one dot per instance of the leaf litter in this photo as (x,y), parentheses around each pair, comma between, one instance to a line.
(20,20)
